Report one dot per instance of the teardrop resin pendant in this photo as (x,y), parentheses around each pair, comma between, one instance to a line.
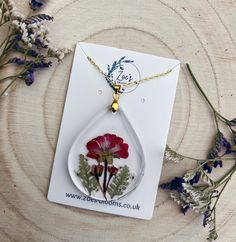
(106,161)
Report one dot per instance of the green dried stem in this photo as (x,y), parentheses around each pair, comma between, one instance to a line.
(215,112)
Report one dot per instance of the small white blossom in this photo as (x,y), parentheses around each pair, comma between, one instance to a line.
(58,53)
(189,175)
(199,200)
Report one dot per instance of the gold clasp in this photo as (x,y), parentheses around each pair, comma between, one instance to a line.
(116,96)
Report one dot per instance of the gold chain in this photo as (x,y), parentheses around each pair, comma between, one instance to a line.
(117,87)
(134,82)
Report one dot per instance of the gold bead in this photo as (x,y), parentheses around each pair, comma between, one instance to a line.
(117,88)
(114,106)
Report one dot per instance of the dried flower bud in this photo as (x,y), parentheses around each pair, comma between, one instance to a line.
(96,170)
(113,170)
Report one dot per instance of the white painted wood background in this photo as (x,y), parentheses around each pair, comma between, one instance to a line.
(200,32)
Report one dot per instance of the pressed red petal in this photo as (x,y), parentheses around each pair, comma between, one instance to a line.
(118,140)
(125,146)
(107,144)
(93,155)
(121,154)
(100,140)
(93,146)
(109,139)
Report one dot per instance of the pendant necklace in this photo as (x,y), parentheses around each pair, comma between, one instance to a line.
(106,161)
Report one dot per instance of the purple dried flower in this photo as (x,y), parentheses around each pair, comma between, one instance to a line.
(28,76)
(184,209)
(221,145)
(224,142)
(36,4)
(32,53)
(218,163)
(207,167)
(196,178)
(17,60)
(41,64)
(38,18)
(17,47)
(232,122)
(175,184)
(39,44)
(206,216)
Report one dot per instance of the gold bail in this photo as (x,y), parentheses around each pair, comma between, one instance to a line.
(116,96)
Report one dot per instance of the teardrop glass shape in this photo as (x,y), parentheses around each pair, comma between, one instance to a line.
(106,161)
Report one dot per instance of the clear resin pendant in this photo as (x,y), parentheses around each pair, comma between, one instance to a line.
(106,161)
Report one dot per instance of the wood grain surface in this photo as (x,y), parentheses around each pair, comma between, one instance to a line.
(200,32)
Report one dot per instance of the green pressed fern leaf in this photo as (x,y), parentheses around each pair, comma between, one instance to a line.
(119,183)
(89,182)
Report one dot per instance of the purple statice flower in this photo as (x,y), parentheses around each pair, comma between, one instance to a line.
(206,216)
(221,145)
(232,122)
(17,60)
(218,163)
(16,47)
(32,64)
(196,178)
(32,53)
(174,185)
(225,143)
(207,167)
(38,18)
(39,44)
(184,209)
(36,4)
(29,52)
(28,77)
(40,64)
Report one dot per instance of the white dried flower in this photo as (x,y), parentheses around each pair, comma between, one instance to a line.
(189,175)
(58,53)
(199,200)
(193,197)
(171,155)
(38,32)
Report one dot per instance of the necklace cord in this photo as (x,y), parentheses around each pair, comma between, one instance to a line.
(128,83)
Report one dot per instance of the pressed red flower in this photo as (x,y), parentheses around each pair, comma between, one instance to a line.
(97,170)
(107,147)
(113,170)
